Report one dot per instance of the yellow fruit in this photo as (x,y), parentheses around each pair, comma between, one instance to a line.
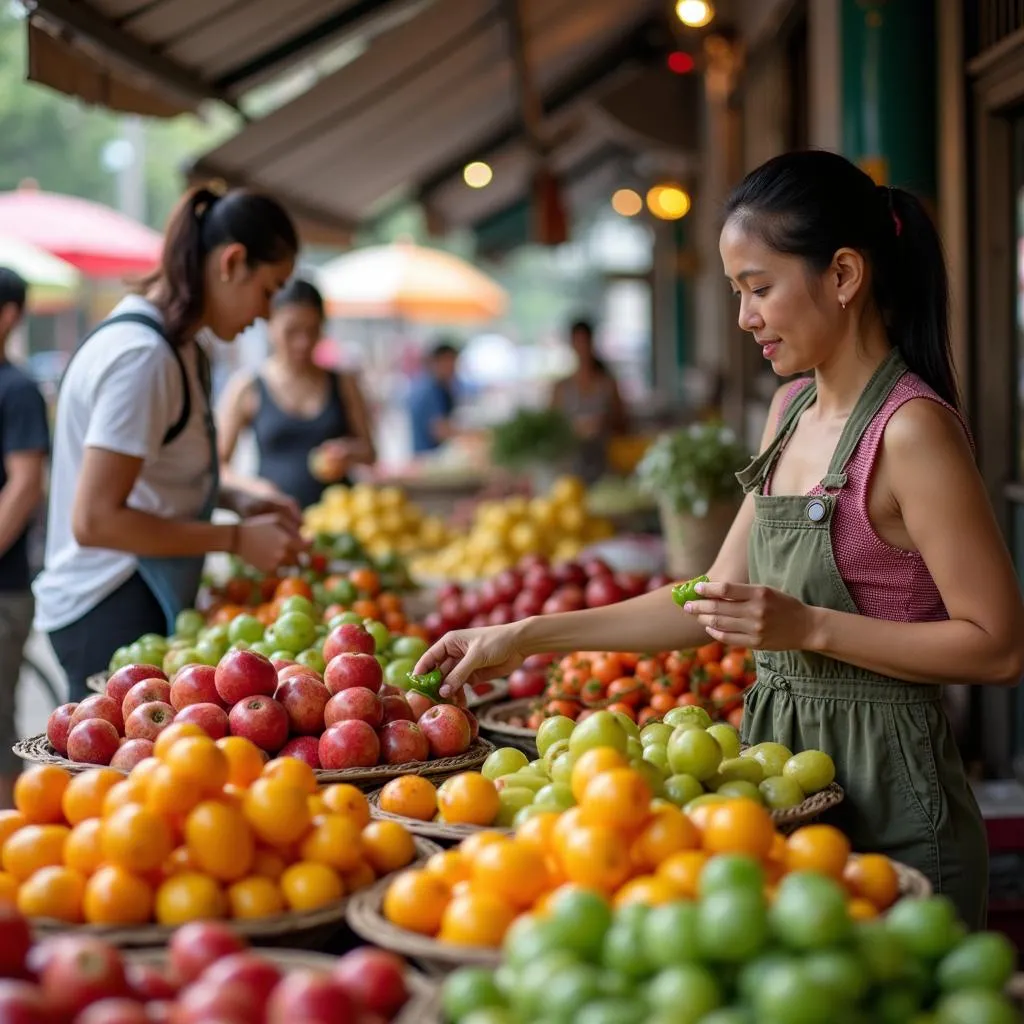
(293,771)
(83,848)
(468,798)
(343,798)
(114,896)
(39,792)
(336,841)
(198,763)
(277,811)
(34,847)
(411,796)
(174,732)
(53,892)
(387,846)
(255,896)
(189,896)
(219,840)
(416,901)
(136,839)
(245,759)
(309,886)
(84,795)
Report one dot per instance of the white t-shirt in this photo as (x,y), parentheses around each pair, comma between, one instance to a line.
(122,392)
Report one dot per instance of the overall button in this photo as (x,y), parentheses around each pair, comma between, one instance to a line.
(816,510)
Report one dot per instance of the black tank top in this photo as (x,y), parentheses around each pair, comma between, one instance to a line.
(284,441)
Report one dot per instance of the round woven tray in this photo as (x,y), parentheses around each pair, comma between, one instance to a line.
(494,721)
(498,691)
(420,1008)
(913,884)
(37,749)
(97,683)
(300,931)
(435,829)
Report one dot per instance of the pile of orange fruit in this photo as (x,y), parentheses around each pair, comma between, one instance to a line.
(200,830)
(620,843)
(466,799)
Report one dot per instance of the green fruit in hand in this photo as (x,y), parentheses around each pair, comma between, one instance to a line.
(813,770)
(413,647)
(656,754)
(727,737)
(733,925)
(771,756)
(655,732)
(729,872)
(982,960)
(553,729)
(245,627)
(928,928)
(694,752)
(809,912)
(298,603)
(556,796)
(672,934)
(580,918)
(601,729)
(681,789)
(556,748)
(689,991)
(691,714)
(503,761)
(629,727)
(840,971)
(975,1006)
(780,793)
(746,790)
(737,769)
(789,995)
(468,989)
(188,622)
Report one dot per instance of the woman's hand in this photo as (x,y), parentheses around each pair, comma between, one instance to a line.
(268,501)
(468,656)
(269,541)
(746,615)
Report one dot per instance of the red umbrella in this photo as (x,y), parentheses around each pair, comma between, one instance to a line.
(97,240)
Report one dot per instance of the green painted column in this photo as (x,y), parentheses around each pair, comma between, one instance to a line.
(684,306)
(889,95)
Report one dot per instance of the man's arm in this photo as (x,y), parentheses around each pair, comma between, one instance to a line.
(20,496)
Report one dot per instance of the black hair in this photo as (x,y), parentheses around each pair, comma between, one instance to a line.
(299,292)
(202,221)
(812,203)
(586,327)
(13,289)
(441,349)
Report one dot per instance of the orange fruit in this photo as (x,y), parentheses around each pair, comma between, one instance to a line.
(136,839)
(595,857)
(169,796)
(189,896)
(360,877)
(871,876)
(861,910)
(174,732)
(277,811)
(476,919)
(10,822)
(179,860)
(143,772)
(124,794)
(309,886)
(8,889)
(820,848)
(451,866)
(387,846)
(316,805)
(620,798)
(219,840)
(334,841)
(682,871)
(292,770)
(53,892)
(268,863)
(198,763)
(39,792)
(471,846)
(116,896)
(83,849)
(592,763)
(416,901)
(411,796)
(514,871)
(255,896)
(468,798)
(739,826)
(84,795)
(701,815)
(650,890)
(34,847)
(669,831)
(245,759)
(342,798)
(538,831)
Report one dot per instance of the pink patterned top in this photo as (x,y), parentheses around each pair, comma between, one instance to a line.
(885,582)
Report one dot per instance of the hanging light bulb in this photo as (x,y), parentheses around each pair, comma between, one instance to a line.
(668,202)
(695,13)
(627,203)
(477,174)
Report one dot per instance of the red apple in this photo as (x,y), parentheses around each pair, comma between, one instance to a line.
(312,997)
(446,729)
(348,638)
(15,942)
(130,753)
(418,703)
(298,670)
(148,982)
(125,678)
(357,703)
(58,725)
(303,748)
(374,978)
(23,1003)
(602,590)
(524,682)
(528,603)
(148,721)
(261,720)
(99,705)
(94,741)
(80,971)
(540,661)
(194,684)
(114,1011)
(280,664)
(204,1003)
(501,615)
(304,697)
(403,741)
(194,946)
(474,725)
(345,670)
(435,626)
(242,674)
(351,744)
(250,970)
(146,692)
(396,709)
(211,718)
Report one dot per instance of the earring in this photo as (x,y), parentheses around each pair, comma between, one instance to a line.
(842,302)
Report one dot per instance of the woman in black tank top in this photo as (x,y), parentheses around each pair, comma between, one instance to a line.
(311,426)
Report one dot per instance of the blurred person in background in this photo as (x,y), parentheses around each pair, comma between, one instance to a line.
(135,475)
(24,445)
(432,400)
(590,398)
(311,426)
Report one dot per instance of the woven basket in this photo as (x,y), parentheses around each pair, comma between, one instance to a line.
(37,749)
(494,722)
(810,810)
(97,683)
(913,884)
(299,931)
(453,833)
(420,1008)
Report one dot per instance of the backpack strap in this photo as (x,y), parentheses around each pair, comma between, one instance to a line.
(143,320)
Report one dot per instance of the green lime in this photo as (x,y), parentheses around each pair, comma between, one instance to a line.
(652,775)
(341,592)
(694,752)
(294,631)
(534,978)
(574,986)
(634,748)
(580,919)
(780,793)
(672,934)
(119,659)
(729,872)
(752,974)
(188,622)
(529,939)
(552,730)
(728,738)
(982,960)
(345,619)
(311,658)
(555,796)
(975,1006)
(656,754)
(739,788)
(468,989)
(809,912)
(733,925)
(929,928)
(812,770)
(896,1003)
(298,603)
(681,789)
(840,971)
(396,672)
(380,633)
(601,729)
(690,714)
(623,949)
(503,761)
(771,756)
(562,766)
(245,627)
(687,991)
(409,647)
(883,954)
(655,732)
(612,1011)
(737,769)
(789,995)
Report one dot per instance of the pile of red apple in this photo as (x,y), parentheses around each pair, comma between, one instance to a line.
(210,976)
(346,718)
(535,587)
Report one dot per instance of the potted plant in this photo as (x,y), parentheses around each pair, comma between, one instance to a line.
(692,474)
(536,442)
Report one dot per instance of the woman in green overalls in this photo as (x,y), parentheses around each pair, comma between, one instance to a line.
(865,485)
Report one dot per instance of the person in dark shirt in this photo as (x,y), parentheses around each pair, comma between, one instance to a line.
(24,446)
(432,400)
(311,426)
